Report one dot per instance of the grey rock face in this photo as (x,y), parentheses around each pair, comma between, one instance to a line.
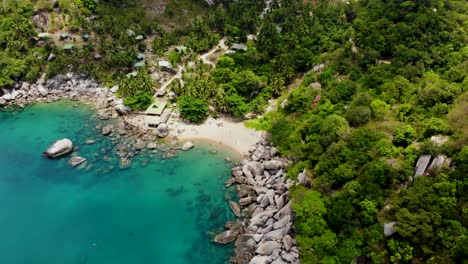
(389,228)
(421,165)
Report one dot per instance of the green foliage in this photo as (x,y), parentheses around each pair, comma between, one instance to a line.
(140,100)
(400,252)
(358,115)
(236,105)
(379,109)
(174,57)
(142,82)
(193,109)
(10,69)
(404,135)
(435,126)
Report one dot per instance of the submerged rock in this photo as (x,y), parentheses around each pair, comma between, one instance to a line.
(59,148)
(226,237)
(106,130)
(235,207)
(75,161)
(188,145)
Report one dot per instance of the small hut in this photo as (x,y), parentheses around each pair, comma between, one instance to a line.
(68,47)
(140,56)
(139,37)
(64,36)
(139,64)
(165,65)
(239,47)
(43,36)
(85,37)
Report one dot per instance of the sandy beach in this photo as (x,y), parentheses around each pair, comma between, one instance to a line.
(233,135)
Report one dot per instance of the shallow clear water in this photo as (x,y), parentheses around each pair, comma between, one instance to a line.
(157,211)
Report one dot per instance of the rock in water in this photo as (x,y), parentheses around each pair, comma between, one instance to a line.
(75,161)
(226,237)
(3,102)
(235,208)
(106,130)
(59,148)
(188,145)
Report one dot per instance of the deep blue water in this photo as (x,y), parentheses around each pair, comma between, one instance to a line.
(158,211)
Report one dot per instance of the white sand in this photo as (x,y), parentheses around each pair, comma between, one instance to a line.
(222,131)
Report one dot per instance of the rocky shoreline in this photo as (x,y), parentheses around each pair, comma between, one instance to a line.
(128,140)
(264,233)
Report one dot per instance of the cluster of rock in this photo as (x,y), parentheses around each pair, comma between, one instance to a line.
(129,140)
(264,232)
(428,164)
(70,86)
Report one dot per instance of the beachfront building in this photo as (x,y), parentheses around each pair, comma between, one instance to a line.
(153,113)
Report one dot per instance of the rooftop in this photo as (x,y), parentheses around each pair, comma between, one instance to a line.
(68,46)
(43,35)
(164,64)
(156,108)
(139,64)
(132,74)
(139,37)
(238,46)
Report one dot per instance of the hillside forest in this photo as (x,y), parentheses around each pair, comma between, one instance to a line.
(351,92)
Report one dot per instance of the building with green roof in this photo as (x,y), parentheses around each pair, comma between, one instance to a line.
(156,108)
(68,47)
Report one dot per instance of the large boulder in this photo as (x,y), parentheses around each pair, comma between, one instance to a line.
(162,131)
(122,109)
(59,148)
(421,165)
(273,165)
(255,168)
(389,228)
(42,90)
(302,179)
(3,102)
(266,248)
(259,260)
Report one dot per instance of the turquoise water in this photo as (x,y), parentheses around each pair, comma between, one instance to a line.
(157,211)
